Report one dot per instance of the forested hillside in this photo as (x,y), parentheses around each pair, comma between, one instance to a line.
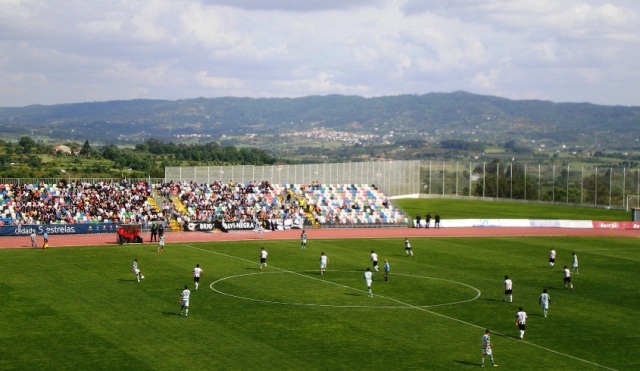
(432,117)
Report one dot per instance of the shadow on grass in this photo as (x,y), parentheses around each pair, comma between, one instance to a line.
(171,314)
(467,363)
(353,294)
(535,315)
(125,280)
(515,337)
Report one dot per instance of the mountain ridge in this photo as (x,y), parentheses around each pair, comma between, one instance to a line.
(461,114)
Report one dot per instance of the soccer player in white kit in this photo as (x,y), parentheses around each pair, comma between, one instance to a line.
(567,278)
(407,247)
(263,257)
(486,348)
(303,240)
(324,261)
(184,301)
(544,301)
(368,279)
(552,257)
(374,260)
(521,321)
(574,263)
(197,272)
(508,289)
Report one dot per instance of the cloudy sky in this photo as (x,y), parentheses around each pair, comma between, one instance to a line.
(68,51)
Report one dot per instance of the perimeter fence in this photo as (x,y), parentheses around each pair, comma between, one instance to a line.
(602,186)
(393,178)
(576,184)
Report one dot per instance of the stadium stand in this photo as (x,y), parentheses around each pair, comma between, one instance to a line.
(181,202)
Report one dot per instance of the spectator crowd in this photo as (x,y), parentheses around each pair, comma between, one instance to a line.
(119,201)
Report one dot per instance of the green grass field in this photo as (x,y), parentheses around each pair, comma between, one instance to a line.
(465,209)
(81,308)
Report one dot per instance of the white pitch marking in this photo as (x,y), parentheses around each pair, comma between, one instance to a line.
(351,288)
(418,308)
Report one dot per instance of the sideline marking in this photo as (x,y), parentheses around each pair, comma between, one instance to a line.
(415,307)
(211,286)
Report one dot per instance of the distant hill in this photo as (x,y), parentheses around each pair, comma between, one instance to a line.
(434,116)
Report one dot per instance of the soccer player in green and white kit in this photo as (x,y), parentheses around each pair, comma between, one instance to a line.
(544,301)
(184,301)
(486,348)
(324,261)
(368,279)
(161,243)
(136,270)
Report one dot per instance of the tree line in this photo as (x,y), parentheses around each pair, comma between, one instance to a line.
(28,158)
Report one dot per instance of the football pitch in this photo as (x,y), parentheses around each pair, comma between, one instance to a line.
(82,308)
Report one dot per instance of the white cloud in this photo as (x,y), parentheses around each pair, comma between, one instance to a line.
(213,82)
(322,83)
(486,80)
(67,51)
(295,5)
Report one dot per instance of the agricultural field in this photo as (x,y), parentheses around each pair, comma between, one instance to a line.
(81,307)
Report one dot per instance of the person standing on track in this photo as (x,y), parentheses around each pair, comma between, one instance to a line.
(34,242)
(154,232)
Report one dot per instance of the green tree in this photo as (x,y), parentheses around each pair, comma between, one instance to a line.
(86,149)
(34,162)
(27,144)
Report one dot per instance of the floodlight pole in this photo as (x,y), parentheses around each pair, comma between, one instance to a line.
(484,177)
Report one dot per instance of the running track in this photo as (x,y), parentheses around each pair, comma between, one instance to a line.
(325,233)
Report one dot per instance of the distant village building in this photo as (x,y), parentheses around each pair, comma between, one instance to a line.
(62,148)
